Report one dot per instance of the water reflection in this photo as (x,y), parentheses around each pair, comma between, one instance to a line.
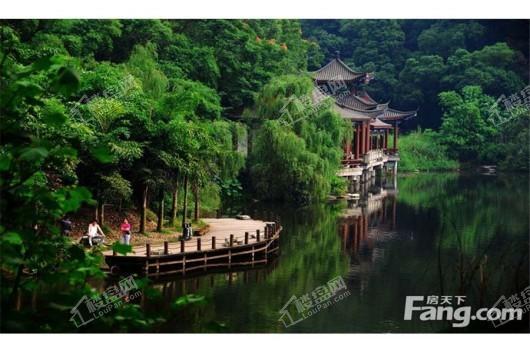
(171,288)
(421,234)
(368,221)
(437,234)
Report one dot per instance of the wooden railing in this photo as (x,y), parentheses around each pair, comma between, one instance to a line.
(211,253)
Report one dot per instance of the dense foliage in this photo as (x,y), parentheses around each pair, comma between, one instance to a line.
(124,112)
(295,153)
(475,130)
(414,60)
(140,113)
(423,151)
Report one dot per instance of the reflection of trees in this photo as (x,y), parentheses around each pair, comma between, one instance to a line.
(377,256)
(249,301)
(481,234)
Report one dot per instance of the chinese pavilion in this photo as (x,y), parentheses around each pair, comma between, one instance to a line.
(371,121)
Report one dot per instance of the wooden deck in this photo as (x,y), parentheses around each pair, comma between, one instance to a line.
(229,242)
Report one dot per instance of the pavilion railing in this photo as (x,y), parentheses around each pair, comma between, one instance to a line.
(351,163)
(373,156)
(391,151)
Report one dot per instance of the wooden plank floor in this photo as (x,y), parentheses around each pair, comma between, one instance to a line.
(220,228)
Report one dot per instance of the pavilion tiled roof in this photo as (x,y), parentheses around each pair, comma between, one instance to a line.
(378,124)
(336,70)
(351,114)
(353,101)
(356,107)
(394,114)
(365,97)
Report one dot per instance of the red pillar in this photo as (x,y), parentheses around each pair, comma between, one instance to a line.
(396,132)
(368,139)
(357,142)
(364,138)
(361,140)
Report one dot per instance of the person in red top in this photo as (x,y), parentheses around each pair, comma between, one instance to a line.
(125,229)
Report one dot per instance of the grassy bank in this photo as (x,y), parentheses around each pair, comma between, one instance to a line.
(421,151)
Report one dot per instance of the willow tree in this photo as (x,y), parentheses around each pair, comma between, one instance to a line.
(297,151)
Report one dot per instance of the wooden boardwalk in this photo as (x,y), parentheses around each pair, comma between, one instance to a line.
(219,231)
(229,242)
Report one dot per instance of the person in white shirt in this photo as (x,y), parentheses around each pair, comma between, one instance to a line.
(93,231)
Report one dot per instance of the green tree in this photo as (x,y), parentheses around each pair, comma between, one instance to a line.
(466,128)
(296,158)
(445,37)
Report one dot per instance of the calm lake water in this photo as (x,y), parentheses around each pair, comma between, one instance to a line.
(422,234)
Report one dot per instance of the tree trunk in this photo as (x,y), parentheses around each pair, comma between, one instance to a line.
(100,213)
(160,223)
(196,197)
(143,215)
(174,204)
(185,205)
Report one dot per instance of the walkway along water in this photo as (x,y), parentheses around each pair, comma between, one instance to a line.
(229,243)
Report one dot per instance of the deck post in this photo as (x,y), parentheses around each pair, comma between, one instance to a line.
(166,247)
(246,238)
(182,245)
(213,242)
(257,235)
(147,249)
(198,244)
(230,251)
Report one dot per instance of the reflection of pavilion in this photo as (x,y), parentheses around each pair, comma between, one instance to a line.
(367,224)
